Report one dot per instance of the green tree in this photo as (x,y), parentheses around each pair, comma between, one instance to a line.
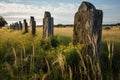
(2,22)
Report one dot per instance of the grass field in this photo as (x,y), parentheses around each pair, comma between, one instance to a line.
(111,35)
(27,57)
(107,35)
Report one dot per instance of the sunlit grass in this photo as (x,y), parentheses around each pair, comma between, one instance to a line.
(64,31)
(67,33)
(111,35)
(64,61)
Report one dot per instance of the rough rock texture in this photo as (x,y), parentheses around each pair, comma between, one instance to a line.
(33,25)
(47,25)
(25,25)
(88,27)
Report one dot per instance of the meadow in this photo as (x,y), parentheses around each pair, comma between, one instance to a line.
(27,57)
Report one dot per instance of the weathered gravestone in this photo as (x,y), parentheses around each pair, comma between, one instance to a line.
(20,25)
(25,25)
(88,28)
(33,25)
(47,25)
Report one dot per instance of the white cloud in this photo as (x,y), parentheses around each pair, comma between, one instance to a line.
(107,6)
(62,13)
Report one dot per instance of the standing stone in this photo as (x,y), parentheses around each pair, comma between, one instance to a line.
(31,20)
(47,25)
(10,26)
(33,25)
(25,25)
(13,26)
(88,27)
(17,26)
(20,25)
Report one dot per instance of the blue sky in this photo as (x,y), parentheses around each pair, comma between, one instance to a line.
(63,11)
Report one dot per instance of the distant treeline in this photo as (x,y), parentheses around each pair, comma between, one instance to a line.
(118,24)
(71,25)
(63,25)
(59,25)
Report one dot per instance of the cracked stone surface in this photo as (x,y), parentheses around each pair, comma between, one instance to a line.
(48,23)
(88,26)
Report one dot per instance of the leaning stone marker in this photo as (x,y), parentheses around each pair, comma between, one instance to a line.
(47,25)
(25,25)
(88,27)
(33,25)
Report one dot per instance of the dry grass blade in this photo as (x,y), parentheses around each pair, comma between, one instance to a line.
(108,46)
(70,71)
(48,66)
(45,75)
(82,63)
(32,58)
(112,49)
(99,74)
(93,42)
(14,52)
(24,51)
(92,67)
(33,49)
(61,60)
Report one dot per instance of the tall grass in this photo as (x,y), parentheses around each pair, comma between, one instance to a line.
(26,57)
